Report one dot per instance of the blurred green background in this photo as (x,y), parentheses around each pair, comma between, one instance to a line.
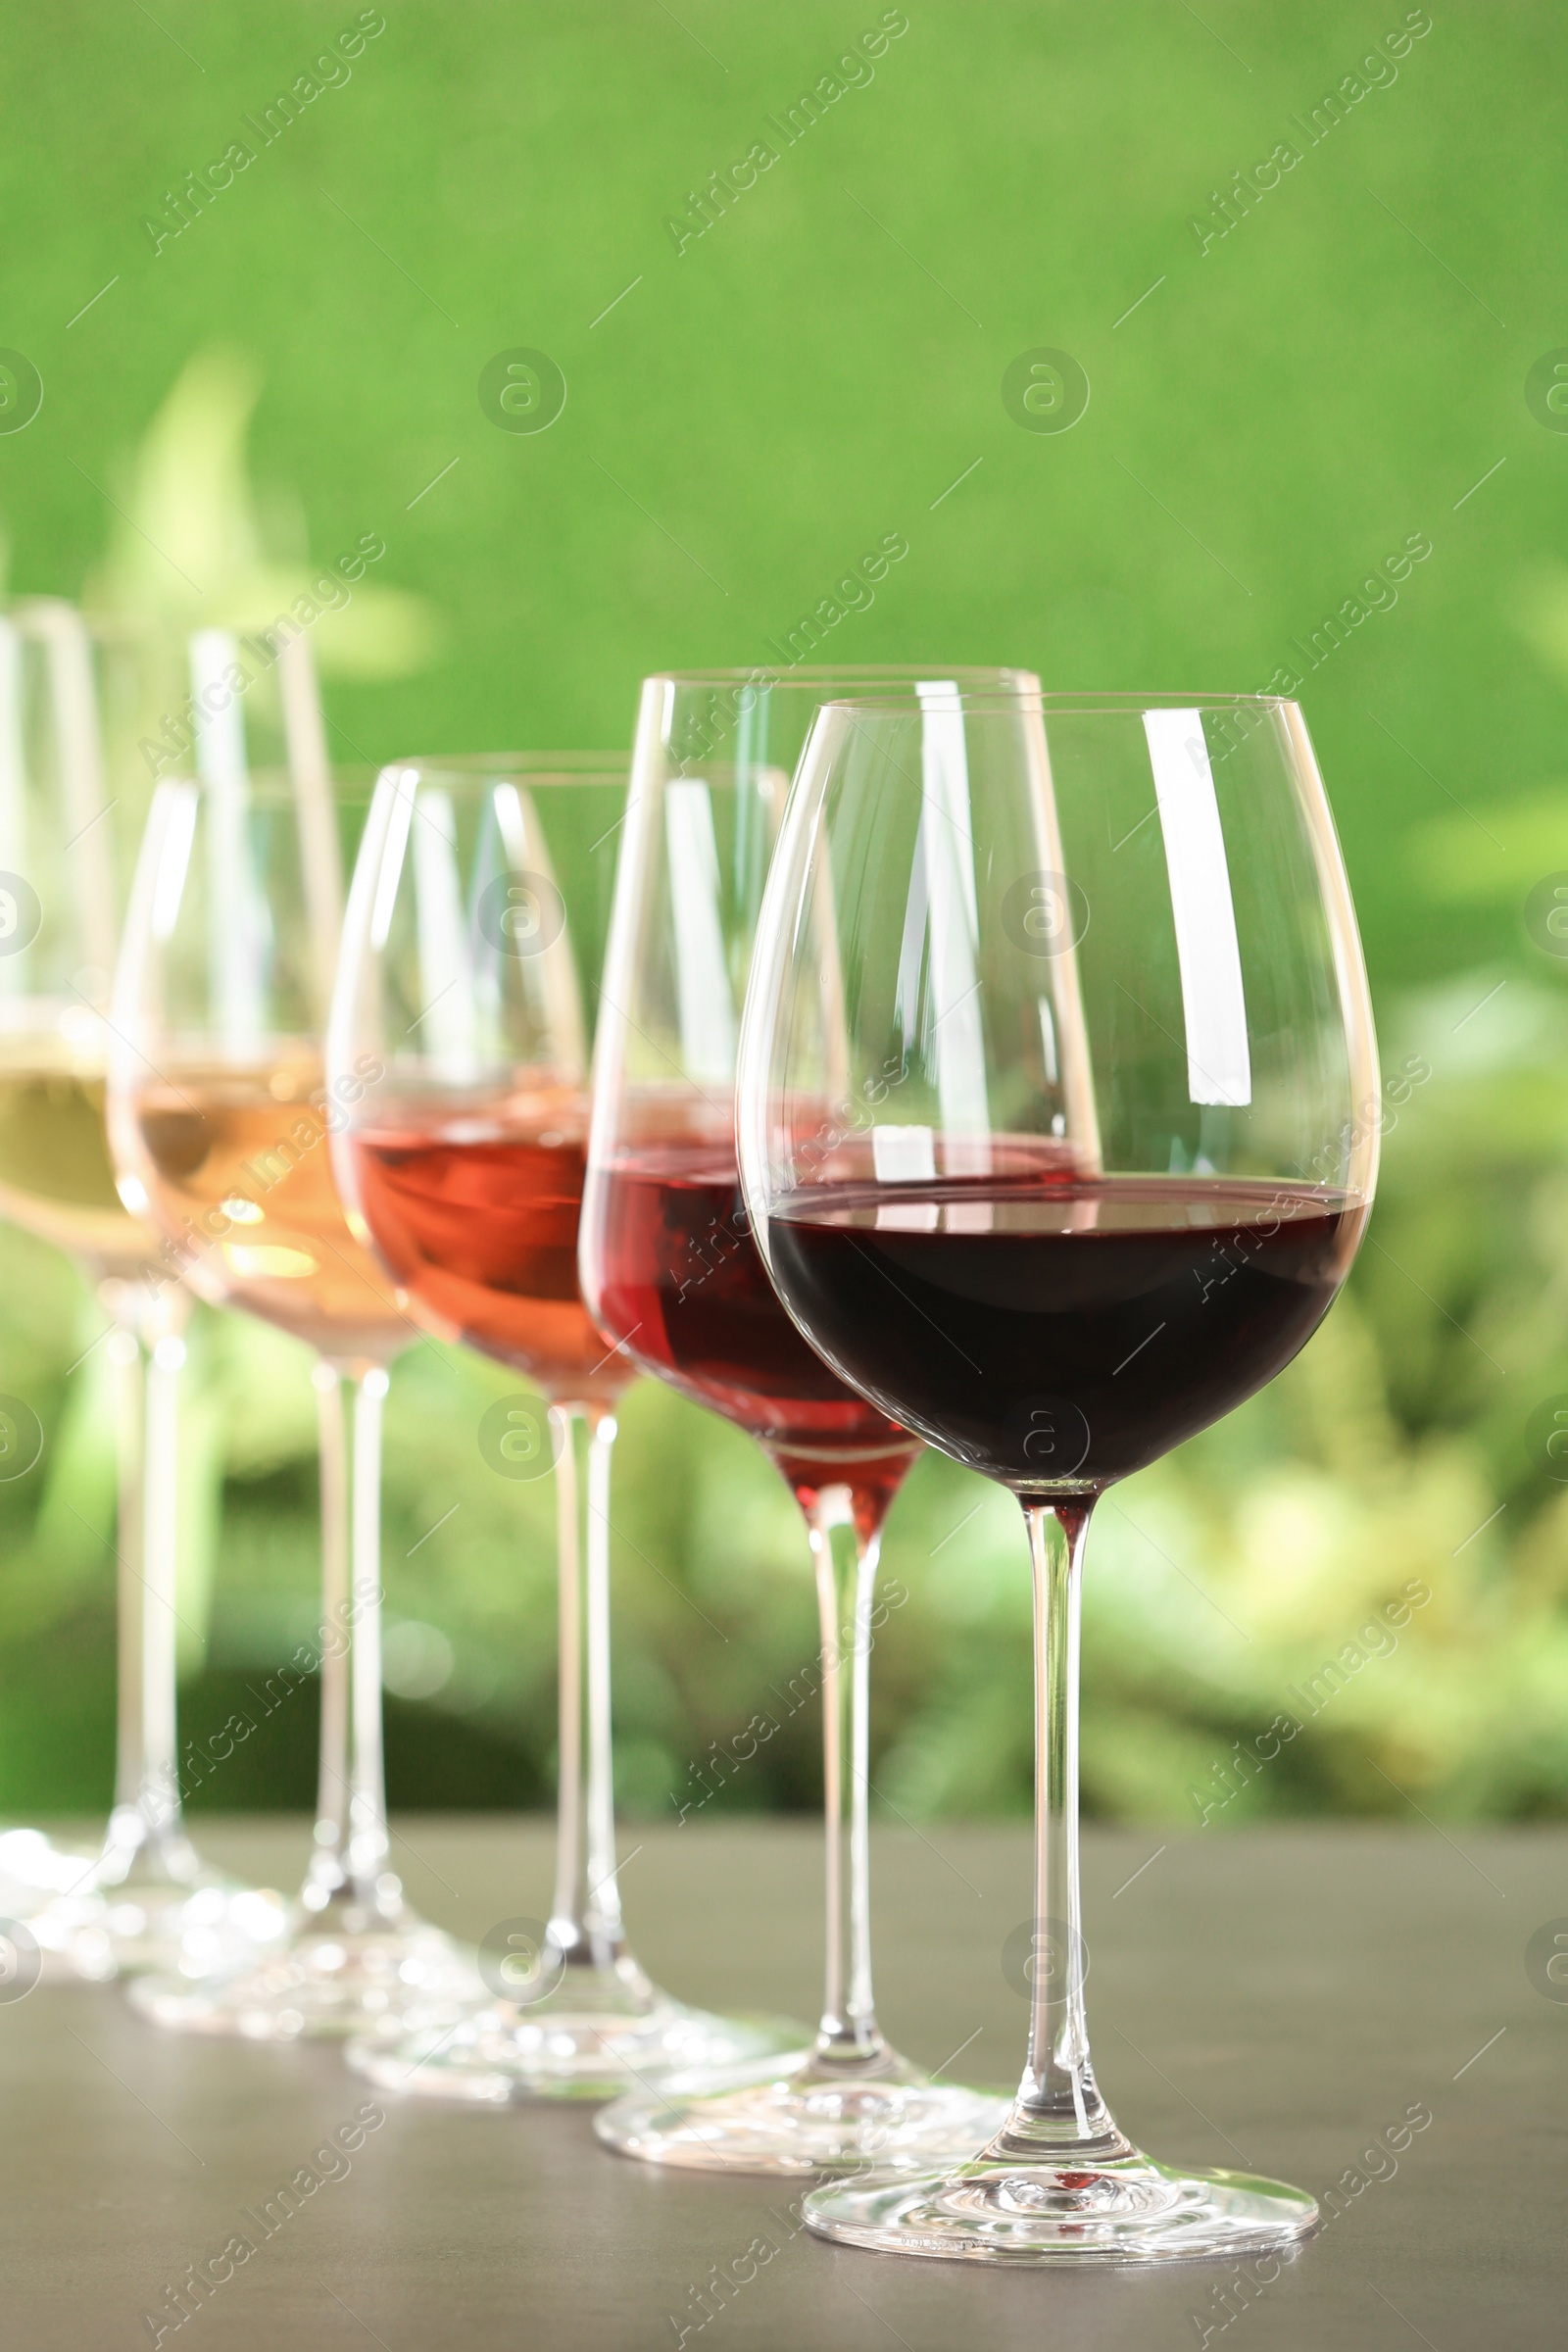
(1273,412)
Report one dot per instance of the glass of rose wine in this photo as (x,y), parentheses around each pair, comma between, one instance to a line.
(218,1119)
(1100,957)
(470,978)
(74,698)
(671,1271)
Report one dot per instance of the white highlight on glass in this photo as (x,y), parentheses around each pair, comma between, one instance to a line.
(310,769)
(445,1030)
(903,1154)
(170,858)
(1063,1029)
(707,1007)
(1048,1039)
(955,1039)
(1219,1067)
(220,722)
(235,921)
(87,855)
(547,979)
(404,783)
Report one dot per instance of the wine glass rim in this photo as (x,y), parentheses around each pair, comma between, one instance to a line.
(272,786)
(475,769)
(808,675)
(1117,703)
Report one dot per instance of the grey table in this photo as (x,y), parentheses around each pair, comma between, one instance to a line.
(1278,1999)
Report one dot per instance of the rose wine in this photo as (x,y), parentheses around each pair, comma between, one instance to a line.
(678,1280)
(56,1179)
(1057,1330)
(477,1219)
(236,1167)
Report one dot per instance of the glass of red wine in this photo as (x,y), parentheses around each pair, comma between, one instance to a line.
(1058,1126)
(467,985)
(670,1270)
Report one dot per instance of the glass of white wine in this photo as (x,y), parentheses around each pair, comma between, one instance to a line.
(73,699)
(218,1119)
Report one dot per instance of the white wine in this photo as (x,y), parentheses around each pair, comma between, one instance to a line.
(56,1177)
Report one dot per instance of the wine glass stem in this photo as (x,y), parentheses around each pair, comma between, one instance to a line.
(148,1352)
(332,1761)
(160,1557)
(350,1864)
(585,1924)
(603,1890)
(846,1581)
(128,1358)
(1060,2114)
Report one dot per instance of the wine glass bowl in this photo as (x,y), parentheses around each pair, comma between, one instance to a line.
(673,1273)
(219,1118)
(470,983)
(1058,1118)
(76,698)
(463,1162)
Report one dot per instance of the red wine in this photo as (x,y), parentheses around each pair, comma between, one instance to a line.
(1059,1331)
(677,1278)
(477,1219)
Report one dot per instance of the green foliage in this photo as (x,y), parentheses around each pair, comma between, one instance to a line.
(189,547)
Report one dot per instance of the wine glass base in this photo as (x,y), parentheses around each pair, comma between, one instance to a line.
(801,2118)
(319,1984)
(45,1896)
(203,1930)
(560,2049)
(33,1866)
(146,1901)
(1130,2210)
(105,1927)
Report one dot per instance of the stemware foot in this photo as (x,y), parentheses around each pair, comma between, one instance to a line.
(32,1865)
(1131,2209)
(328,1980)
(214,1925)
(46,1899)
(800,2117)
(145,1903)
(567,2046)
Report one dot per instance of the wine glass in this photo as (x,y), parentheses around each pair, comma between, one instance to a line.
(470,978)
(1101,952)
(218,1119)
(671,1271)
(74,696)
